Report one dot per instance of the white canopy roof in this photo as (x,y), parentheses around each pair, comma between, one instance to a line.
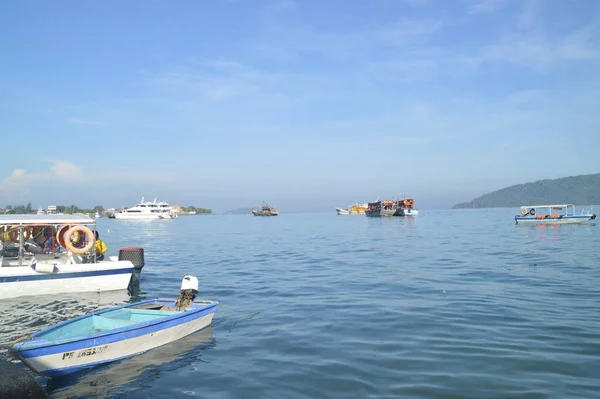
(547,206)
(45,219)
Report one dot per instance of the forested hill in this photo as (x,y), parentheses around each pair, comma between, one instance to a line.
(577,190)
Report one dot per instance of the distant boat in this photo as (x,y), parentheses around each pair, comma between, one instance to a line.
(265,210)
(406,207)
(543,214)
(381,208)
(146,210)
(115,333)
(355,209)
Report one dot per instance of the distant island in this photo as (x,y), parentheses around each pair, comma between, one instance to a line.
(577,190)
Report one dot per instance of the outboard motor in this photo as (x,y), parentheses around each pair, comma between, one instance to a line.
(189,290)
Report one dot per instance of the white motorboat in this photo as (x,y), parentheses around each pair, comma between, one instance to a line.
(147,210)
(553,214)
(52,254)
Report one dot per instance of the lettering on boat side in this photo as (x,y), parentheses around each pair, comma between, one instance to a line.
(86,352)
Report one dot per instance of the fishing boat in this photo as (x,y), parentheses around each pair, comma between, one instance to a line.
(53,254)
(553,214)
(265,210)
(355,209)
(381,208)
(116,333)
(147,210)
(406,207)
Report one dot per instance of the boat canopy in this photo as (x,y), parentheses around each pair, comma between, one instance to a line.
(45,219)
(546,206)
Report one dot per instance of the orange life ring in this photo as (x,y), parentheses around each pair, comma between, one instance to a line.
(60,234)
(78,231)
(13,233)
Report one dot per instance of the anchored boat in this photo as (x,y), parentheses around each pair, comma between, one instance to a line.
(553,214)
(52,254)
(355,209)
(265,210)
(406,207)
(115,333)
(381,208)
(147,210)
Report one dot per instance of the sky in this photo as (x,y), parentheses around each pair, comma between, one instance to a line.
(307,105)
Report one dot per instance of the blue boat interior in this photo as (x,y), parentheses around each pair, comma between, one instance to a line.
(106,321)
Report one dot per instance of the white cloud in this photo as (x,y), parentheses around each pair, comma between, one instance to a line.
(67,171)
(20,182)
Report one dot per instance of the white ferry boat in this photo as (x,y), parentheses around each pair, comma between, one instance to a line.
(147,210)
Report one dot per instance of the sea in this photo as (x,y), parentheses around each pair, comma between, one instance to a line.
(448,304)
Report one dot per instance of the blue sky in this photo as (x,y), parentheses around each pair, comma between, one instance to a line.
(304,104)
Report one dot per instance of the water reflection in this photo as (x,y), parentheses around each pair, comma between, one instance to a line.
(130,374)
(32,314)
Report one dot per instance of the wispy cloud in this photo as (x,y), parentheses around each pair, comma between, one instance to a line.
(541,51)
(417,3)
(84,122)
(484,6)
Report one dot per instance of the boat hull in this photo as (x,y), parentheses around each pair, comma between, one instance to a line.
(17,281)
(126,216)
(342,211)
(407,212)
(381,213)
(258,213)
(576,219)
(59,359)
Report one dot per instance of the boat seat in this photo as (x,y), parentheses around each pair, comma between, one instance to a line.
(102,323)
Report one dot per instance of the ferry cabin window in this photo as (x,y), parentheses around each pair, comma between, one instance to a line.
(133,211)
(143,206)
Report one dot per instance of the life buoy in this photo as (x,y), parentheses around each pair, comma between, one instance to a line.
(524,212)
(532,211)
(78,230)
(60,234)
(13,233)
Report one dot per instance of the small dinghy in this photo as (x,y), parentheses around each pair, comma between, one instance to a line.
(115,333)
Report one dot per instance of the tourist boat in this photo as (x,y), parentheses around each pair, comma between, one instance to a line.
(553,214)
(114,333)
(265,210)
(406,207)
(381,208)
(147,210)
(67,265)
(355,209)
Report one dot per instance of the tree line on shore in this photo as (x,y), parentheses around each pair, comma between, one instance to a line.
(71,209)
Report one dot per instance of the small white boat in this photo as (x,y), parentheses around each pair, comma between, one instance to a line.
(553,214)
(53,254)
(115,333)
(147,210)
(355,209)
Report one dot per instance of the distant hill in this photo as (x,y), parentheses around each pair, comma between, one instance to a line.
(567,190)
(240,211)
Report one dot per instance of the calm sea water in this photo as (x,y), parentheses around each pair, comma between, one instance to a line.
(450,304)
